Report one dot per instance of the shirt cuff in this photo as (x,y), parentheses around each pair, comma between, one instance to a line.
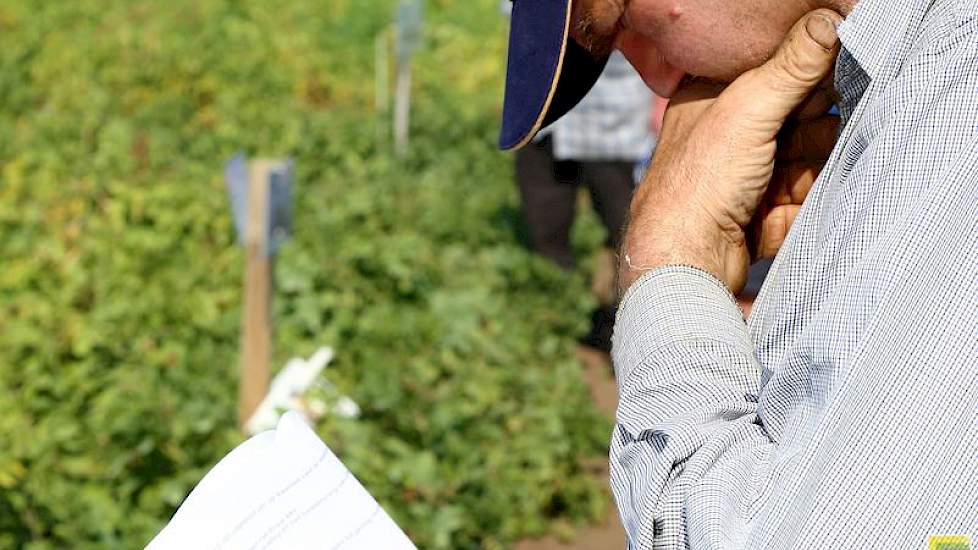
(674,305)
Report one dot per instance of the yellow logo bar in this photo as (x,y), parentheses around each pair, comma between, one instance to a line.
(949,542)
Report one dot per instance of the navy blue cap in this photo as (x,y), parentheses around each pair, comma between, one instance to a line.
(548,72)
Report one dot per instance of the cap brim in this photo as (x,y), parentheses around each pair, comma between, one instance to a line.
(547,74)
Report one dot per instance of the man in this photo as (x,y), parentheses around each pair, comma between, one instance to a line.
(846,414)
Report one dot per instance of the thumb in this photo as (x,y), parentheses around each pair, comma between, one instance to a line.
(806,56)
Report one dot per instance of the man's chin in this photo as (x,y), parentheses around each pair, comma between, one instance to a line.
(665,82)
(665,85)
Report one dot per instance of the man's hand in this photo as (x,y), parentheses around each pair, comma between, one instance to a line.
(804,146)
(715,191)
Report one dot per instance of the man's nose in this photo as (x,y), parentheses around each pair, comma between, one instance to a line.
(659,75)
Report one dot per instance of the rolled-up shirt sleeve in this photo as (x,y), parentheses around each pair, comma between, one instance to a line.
(686,444)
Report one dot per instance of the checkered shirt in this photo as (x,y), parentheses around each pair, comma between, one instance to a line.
(612,122)
(846,414)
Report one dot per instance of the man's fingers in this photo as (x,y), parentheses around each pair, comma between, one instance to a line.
(811,140)
(775,89)
(790,185)
(792,182)
(771,230)
(819,102)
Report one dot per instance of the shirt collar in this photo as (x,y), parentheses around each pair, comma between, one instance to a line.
(874,31)
(873,40)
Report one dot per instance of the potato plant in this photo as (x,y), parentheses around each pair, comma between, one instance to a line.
(120,277)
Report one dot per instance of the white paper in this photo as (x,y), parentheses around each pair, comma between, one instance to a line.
(281,489)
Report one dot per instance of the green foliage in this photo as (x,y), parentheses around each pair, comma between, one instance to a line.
(120,280)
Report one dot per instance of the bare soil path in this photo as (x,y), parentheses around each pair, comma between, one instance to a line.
(608,535)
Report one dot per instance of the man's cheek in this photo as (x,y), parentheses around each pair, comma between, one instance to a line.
(649,16)
(691,36)
(675,30)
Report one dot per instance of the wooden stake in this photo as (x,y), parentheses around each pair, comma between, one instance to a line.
(382,83)
(402,106)
(256,328)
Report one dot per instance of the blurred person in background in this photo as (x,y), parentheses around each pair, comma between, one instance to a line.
(843,413)
(597,145)
(601,145)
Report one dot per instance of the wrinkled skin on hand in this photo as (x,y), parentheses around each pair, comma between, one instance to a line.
(734,164)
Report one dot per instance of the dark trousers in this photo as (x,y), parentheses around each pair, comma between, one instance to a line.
(549,193)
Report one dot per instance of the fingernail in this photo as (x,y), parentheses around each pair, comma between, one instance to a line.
(823,30)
